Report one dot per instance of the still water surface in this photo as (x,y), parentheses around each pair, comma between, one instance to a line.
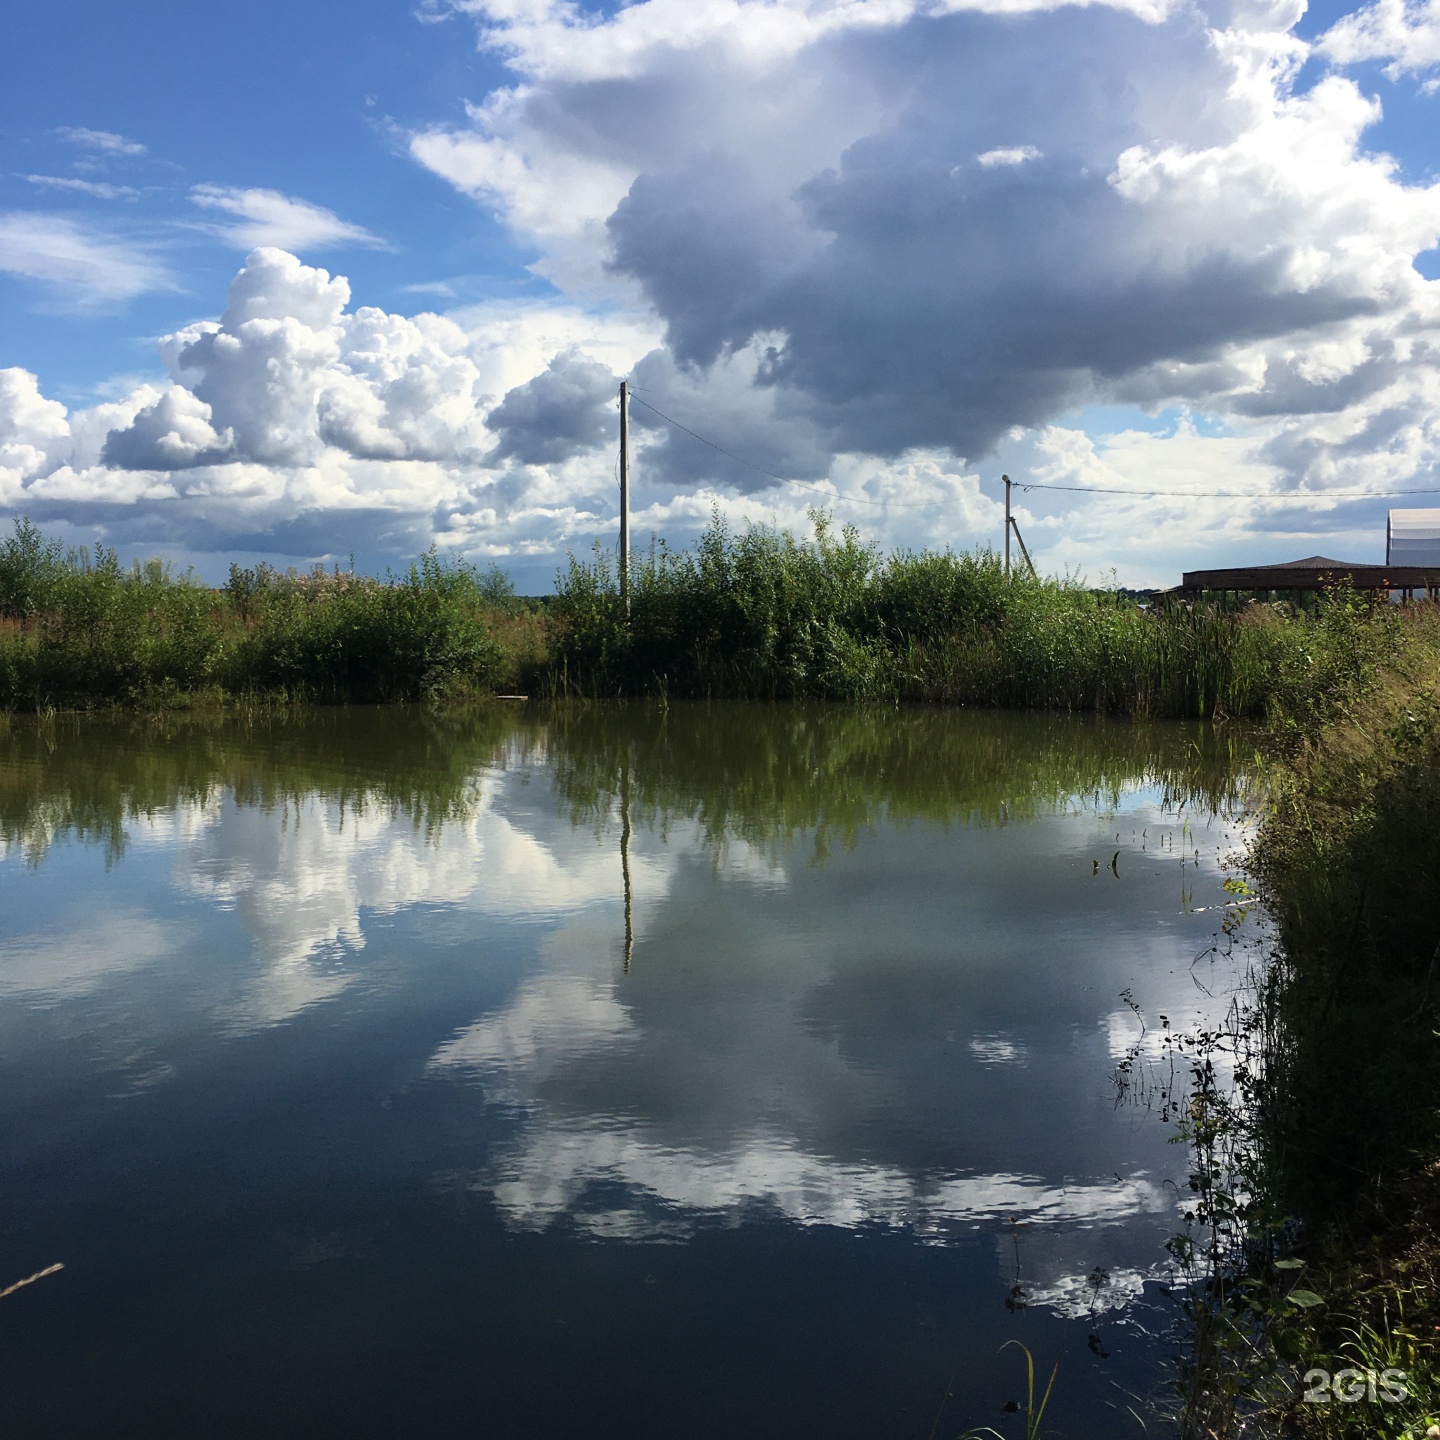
(329,1073)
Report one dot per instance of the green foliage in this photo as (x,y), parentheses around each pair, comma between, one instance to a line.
(333,636)
(761,614)
(79,630)
(1034,1414)
(1323,1153)
(31,569)
(764,615)
(753,615)
(1349,857)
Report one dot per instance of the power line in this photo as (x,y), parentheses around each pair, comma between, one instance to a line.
(1290,499)
(1230,494)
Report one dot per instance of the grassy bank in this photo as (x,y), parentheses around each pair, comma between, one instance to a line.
(78,630)
(750,616)
(1317,1179)
(764,615)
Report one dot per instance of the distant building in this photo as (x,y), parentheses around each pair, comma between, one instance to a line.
(1412,537)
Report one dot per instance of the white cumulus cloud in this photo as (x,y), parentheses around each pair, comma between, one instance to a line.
(1405,35)
(1007,155)
(329,428)
(31,428)
(1060,208)
(878,248)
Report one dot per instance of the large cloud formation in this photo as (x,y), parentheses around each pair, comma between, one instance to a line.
(956,222)
(298,425)
(287,373)
(867,246)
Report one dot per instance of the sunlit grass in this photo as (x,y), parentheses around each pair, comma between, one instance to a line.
(764,615)
(1323,1161)
(79,630)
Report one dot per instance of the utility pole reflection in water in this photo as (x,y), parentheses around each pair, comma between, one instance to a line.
(625,855)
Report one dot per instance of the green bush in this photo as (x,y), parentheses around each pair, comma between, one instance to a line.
(332,636)
(79,630)
(760,614)
(763,615)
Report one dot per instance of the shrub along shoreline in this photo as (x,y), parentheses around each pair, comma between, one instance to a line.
(79,631)
(1324,1165)
(763,615)
(1317,1172)
(760,615)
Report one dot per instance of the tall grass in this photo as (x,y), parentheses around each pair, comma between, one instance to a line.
(78,629)
(760,614)
(1325,1164)
(764,615)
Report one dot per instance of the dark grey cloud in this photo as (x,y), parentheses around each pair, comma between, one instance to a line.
(566,410)
(926,298)
(764,425)
(376,536)
(1290,390)
(1390,435)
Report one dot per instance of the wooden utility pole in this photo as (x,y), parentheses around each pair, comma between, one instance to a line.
(1005,478)
(625,496)
(1011,523)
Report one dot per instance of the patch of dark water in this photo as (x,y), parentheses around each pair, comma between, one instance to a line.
(330,1074)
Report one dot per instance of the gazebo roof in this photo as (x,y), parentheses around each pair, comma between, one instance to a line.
(1315,572)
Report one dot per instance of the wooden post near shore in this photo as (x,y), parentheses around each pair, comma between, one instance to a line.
(625,496)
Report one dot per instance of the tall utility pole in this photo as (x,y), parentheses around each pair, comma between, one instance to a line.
(1011,523)
(1005,478)
(625,497)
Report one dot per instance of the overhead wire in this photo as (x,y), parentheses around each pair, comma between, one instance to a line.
(1293,496)
(1282,498)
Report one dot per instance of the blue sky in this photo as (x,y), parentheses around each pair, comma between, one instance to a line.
(304,99)
(306,281)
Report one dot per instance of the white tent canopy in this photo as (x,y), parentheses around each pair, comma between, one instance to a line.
(1412,537)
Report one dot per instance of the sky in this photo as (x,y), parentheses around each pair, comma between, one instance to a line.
(334,283)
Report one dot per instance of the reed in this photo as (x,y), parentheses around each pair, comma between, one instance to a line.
(1323,1161)
(764,615)
(759,614)
(79,630)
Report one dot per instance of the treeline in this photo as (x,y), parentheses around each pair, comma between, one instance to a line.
(758,615)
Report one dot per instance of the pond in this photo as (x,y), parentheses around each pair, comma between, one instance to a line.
(701,1071)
